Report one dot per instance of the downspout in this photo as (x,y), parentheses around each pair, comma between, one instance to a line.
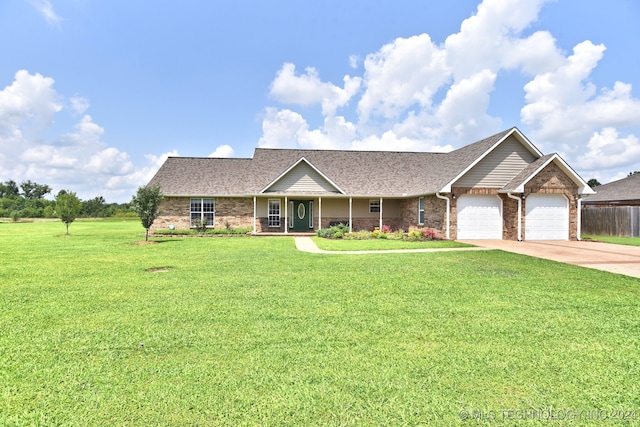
(579,217)
(380,228)
(350,214)
(439,196)
(511,196)
(254,215)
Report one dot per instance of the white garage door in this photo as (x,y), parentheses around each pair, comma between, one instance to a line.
(479,217)
(547,217)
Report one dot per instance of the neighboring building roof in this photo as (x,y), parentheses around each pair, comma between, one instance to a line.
(625,189)
(351,173)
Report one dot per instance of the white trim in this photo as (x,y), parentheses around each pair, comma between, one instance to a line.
(302,159)
(380,213)
(423,210)
(319,213)
(514,131)
(310,214)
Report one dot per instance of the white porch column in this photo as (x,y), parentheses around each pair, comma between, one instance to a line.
(350,214)
(380,226)
(255,212)
(319,213)
(286,215)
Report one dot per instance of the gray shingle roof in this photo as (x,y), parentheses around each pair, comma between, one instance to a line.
(624,189)
(357,173)
(526,173)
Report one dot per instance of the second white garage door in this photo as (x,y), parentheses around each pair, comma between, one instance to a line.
(547,217)
(479,217)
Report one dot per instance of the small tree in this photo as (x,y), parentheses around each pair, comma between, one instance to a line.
(67,207)
(593,183)
(146,203)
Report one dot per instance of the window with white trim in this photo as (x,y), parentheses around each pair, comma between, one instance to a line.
(374,206)
(202,210)
(274,213)
(421,210)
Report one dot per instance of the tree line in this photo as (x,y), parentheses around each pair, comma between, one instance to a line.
(27,200)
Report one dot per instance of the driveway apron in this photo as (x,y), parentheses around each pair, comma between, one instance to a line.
(619,259)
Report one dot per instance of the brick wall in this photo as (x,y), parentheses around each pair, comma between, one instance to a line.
(234,212)
(435,215)
(551,180)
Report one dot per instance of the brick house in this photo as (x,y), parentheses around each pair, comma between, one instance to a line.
(501,187)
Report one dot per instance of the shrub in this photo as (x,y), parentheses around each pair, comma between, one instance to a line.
(334,232)
(429,234)
(200,225)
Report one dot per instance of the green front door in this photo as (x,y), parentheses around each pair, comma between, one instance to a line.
(301,215)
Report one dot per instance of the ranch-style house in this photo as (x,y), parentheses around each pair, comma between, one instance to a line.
(501,187)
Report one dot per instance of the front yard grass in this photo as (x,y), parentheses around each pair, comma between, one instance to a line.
(630,241)
(96,329)
(382,244)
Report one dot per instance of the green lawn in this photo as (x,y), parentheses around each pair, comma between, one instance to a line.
(382,244)
(631,241)
(98,330)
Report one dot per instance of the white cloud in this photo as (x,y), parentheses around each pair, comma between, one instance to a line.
(223,151)
(45,8)
(401,74)
(607,149)
(78,105)
(417,95)
(78,160)
(308,89)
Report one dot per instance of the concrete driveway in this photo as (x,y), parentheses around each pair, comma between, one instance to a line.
(619,259)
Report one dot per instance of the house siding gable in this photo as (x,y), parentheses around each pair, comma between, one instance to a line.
(302,179)
(499,167)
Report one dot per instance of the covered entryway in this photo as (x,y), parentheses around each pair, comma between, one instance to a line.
(547,217)
(479,217)
(301,215)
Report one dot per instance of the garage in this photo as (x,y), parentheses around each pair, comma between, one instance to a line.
(547,217)
(479,217)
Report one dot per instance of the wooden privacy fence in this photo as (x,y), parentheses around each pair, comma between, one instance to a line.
(621,221)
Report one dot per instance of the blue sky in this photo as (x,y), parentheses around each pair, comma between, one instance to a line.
(95,94)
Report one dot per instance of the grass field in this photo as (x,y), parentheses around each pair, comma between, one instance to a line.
(96,329)
(630,241)
(378,244)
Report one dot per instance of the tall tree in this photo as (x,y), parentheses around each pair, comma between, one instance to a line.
(32,190)
(67,207)
(9,189)
(145,204)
